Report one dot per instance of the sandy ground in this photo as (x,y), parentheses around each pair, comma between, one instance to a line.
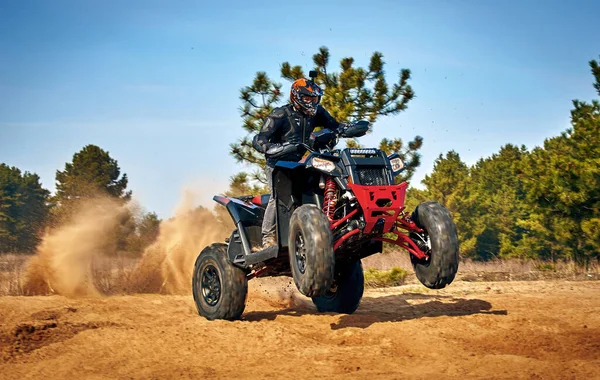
(534,330)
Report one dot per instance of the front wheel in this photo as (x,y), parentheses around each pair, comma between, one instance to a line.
(346,293)
(312,260)
(440,240)
(219,287)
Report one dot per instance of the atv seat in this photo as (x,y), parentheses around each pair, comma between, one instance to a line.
(261,200)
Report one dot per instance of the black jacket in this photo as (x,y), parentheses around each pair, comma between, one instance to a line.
(284,124)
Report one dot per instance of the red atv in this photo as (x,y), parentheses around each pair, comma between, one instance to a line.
(334,208)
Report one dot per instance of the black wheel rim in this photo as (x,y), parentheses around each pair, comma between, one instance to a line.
(211,285)
(300,252)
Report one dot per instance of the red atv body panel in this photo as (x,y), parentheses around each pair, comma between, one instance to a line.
(382,205)
(380,202)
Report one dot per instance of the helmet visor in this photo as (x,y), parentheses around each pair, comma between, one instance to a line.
(310,99)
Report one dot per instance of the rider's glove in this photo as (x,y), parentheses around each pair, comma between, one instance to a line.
(278,150)
(274,149)
(342,128)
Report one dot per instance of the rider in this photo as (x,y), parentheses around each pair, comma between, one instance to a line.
(290,124)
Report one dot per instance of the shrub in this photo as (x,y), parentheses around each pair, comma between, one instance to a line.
(378,278)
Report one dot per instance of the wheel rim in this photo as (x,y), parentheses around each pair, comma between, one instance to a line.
(211,285)
(300,252)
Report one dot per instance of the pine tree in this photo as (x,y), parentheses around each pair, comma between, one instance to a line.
(24,208)
(409,155)
(258,99)
(495,205)
(563,182)
(448,185)
(91,173)
(94,174)
(240,186)
(447,178)
(356,93)
(353,94)
(146,230)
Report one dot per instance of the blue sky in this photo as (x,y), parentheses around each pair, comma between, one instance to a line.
(156,83)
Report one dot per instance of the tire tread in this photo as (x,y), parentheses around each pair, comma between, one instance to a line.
(234,284)
(443,265)
(314,225)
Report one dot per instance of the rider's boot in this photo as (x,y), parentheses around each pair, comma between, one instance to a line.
(267,242)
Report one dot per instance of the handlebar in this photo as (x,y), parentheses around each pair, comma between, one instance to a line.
(305,146)
(357,129)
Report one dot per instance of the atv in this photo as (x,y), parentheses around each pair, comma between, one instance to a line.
(333,208)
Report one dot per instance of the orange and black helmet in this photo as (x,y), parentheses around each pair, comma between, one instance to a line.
(305,95)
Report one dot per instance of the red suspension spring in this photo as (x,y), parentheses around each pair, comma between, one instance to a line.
(330,199)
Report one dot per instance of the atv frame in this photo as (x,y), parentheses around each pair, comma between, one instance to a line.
(333,208)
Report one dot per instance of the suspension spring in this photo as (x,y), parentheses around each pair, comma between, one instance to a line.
(330,199)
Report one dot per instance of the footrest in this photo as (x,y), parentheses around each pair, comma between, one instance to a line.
(260,256)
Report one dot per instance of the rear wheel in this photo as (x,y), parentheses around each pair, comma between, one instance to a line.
(440,241)
(219,287)
(346,293)
(311,254)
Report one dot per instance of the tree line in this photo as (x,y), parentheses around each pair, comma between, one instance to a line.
(542,203)
(27,210)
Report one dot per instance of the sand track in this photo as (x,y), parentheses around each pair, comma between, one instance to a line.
(542,329)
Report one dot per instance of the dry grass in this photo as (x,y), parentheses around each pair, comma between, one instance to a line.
(497,270)
(519,270)
(11,273)
(114,275)
(118,275)
(389,260)
(110,275)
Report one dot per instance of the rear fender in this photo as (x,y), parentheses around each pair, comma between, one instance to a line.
(247,217)
(247,213)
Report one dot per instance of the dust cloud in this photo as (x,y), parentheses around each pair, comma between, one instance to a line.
(81,258)
(167,264)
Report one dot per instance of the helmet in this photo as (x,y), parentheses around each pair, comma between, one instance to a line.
(305,95)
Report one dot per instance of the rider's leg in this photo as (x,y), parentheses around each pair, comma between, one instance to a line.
(268,226)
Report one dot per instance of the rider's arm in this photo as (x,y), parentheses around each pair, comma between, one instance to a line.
(262,141)
(325,119)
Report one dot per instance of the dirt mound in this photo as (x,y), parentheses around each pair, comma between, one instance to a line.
(46,327)
(507,330)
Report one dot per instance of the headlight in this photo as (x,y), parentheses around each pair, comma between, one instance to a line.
(363,151)
(321,164)
(397,164)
